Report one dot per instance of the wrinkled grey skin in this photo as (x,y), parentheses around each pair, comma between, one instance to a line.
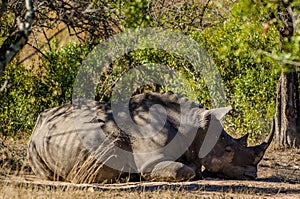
(58,149)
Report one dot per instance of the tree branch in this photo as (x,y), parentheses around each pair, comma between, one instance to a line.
(203,11)
(41,46)
(5,85)
(3,7)
(285,61)
(8,52)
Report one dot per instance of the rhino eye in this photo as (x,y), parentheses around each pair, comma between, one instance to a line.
(228,149)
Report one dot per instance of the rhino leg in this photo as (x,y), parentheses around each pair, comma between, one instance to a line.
(197,170)
(170,171)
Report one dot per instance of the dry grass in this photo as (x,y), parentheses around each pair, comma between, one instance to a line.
(18,188)
(13,192)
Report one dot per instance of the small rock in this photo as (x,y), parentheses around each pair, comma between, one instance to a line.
(90,189)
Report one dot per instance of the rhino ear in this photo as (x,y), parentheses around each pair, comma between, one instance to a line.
(243,140)
(219,113)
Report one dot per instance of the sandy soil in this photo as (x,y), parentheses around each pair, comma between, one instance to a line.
(278,177)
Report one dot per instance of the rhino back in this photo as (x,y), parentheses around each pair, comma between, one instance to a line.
(167,105)
(61,146)
(51,139)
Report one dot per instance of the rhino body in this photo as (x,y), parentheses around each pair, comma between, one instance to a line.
(158,139)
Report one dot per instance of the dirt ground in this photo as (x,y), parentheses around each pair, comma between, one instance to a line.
(278,177)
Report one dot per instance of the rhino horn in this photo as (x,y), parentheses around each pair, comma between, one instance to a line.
(243,140)
(261,149)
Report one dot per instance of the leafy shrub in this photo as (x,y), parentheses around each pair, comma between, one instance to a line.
(249,78)
(37,88)
(235,44)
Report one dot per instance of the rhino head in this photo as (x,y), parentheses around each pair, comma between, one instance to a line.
(231,158)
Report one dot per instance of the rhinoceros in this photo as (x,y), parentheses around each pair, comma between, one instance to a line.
(152,136)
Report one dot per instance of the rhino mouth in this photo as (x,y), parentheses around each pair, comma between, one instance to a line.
(220,175)
(250,175)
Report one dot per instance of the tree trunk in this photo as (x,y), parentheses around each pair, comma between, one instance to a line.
(287,117)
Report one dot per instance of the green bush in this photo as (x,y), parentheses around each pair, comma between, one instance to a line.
(235,44)
(37,88)
(250,78)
